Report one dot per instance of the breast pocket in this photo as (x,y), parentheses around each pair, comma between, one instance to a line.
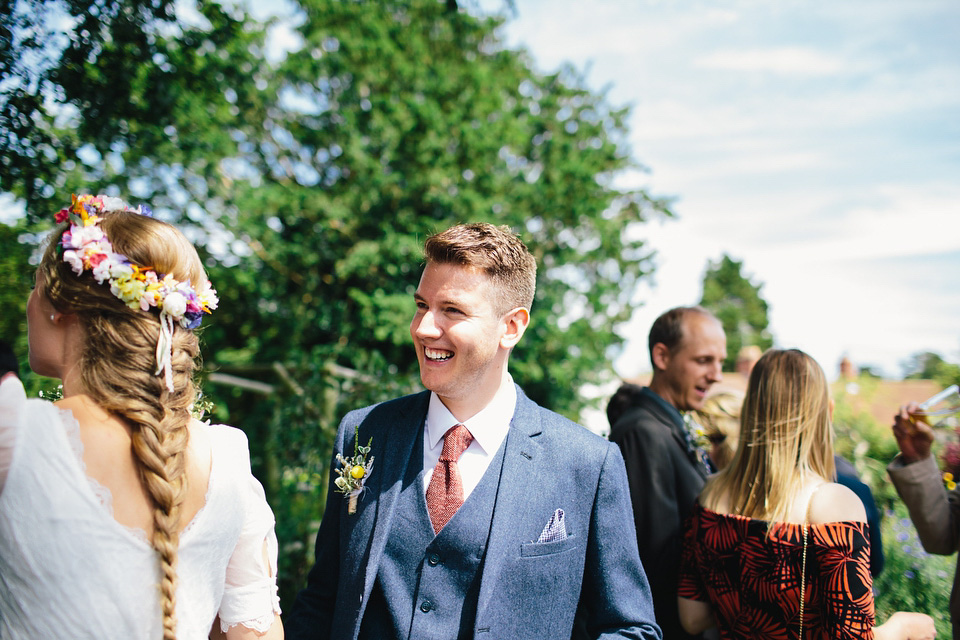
(537,549)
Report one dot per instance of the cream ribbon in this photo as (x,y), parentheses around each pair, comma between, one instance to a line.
(165,349)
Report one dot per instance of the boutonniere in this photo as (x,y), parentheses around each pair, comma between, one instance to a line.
(697,433)
(354,471)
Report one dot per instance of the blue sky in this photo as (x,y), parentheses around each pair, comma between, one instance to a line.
(817,142)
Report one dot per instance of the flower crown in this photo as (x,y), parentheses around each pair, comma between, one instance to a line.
(86,247)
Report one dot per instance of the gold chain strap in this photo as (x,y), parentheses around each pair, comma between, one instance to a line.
(803,580)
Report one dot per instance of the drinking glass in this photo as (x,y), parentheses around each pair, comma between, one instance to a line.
(941,410)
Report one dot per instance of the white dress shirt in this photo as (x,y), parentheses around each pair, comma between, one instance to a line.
(488,428)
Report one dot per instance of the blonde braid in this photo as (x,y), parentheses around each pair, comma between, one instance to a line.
(159,424)
(117,370)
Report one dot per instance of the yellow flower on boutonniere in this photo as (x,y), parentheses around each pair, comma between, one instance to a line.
(949,481)
(354,471)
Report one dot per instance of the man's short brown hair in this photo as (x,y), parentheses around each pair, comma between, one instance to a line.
(494,250)
(668,328)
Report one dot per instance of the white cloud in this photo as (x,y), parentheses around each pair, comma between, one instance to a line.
(784,60)
(815,142)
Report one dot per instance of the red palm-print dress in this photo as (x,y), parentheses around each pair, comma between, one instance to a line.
(752,580)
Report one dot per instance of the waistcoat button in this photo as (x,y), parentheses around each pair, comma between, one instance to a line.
(426,606)
(433,559)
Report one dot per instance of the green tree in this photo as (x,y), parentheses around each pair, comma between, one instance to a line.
(738,304)
(69,91)
(14,270)
(311,182)
(924,365)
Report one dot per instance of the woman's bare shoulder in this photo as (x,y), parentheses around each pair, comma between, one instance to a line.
(833,502)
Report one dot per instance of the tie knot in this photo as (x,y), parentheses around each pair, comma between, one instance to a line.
(455,442)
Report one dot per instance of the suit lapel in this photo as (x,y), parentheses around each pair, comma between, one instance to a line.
(521,463)
(402,429)
(677,430)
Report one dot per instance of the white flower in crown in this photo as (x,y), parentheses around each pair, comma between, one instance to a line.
(72,258)
(119,267)
(80,237)
(110,203)
(175,305)
(208,297)
(105,270)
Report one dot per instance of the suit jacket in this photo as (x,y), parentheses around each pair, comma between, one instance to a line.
(527,589)
(665,479)
(935,513)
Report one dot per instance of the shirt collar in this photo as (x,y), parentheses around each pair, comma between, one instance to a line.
(488,427)
(670,410)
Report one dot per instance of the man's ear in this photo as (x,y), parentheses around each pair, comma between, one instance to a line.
(515,322)
(660,356)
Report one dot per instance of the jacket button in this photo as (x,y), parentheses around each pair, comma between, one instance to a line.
(426,606)
(433,559)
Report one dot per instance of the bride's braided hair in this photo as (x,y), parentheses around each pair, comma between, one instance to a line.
(118,364)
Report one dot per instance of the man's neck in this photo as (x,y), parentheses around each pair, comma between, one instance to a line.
(465,408)
(658,387)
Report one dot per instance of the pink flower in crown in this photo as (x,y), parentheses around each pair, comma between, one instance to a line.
(92,254)
(94,258)
(104,269)
(62,216)
(151,297)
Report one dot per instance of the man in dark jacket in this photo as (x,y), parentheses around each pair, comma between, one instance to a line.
(666,468)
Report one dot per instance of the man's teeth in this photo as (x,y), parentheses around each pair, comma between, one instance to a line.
(436,354)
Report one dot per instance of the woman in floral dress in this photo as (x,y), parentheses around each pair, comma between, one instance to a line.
(774,549)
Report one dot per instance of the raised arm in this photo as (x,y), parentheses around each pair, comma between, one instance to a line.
(935,512)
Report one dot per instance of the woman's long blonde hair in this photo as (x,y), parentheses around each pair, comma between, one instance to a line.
(118,362)
(785,431)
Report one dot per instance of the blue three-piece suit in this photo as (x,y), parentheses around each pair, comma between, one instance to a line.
(381,573)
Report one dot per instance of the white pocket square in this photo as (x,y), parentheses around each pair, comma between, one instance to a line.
(555,530)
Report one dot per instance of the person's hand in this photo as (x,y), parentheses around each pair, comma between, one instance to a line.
(907,625)
(914,436)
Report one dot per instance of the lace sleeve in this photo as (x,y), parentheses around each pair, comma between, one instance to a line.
(250,595)
(12,399)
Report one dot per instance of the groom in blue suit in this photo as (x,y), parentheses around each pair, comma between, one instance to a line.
(484,515)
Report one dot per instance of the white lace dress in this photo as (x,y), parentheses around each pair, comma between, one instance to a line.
(69,570)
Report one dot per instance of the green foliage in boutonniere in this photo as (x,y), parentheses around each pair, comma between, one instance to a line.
(354,471)
(696,434)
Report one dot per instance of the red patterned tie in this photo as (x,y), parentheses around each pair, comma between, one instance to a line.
(445,491)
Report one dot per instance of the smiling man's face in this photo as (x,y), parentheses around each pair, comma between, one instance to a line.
(457,335)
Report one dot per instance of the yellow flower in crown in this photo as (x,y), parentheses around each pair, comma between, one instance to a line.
(129,289)
(80,208)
